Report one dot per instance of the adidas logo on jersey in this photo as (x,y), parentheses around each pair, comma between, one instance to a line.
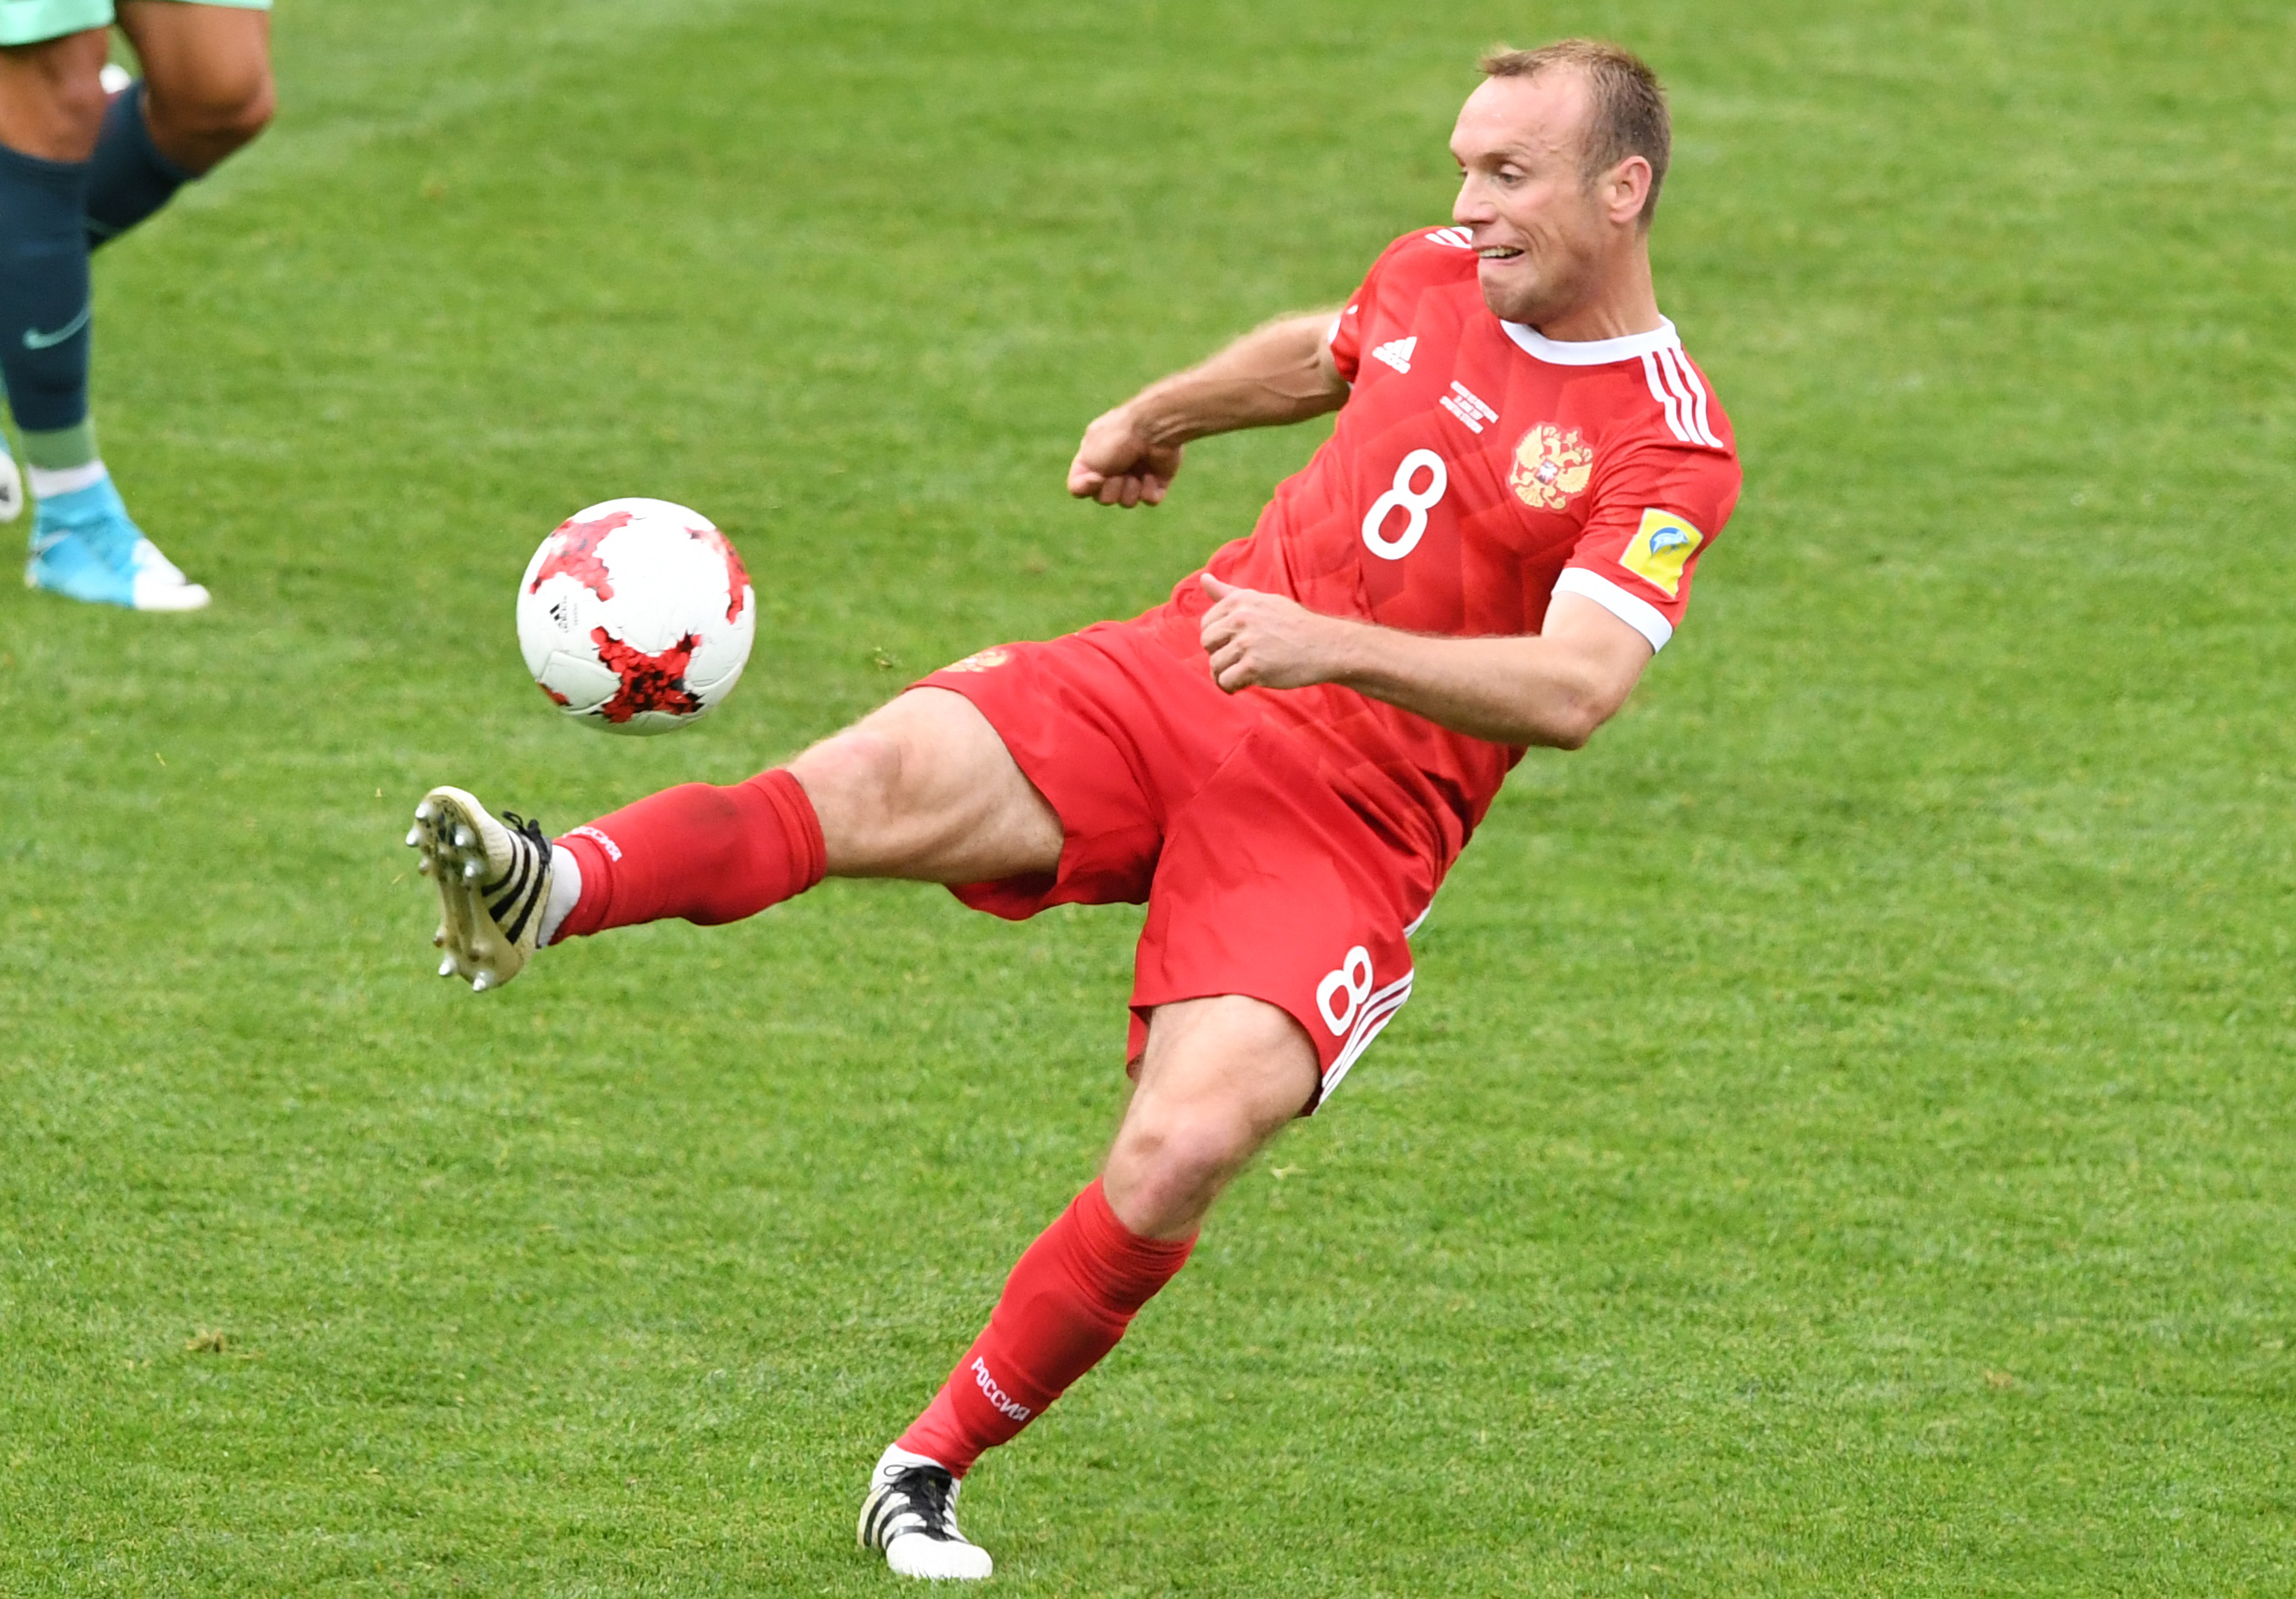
(1458,238)
(1397,352)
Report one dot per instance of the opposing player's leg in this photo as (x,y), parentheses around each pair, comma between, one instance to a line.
(34,116)
(84,545)
(50,107)
(922,789)
(1220,1079)
(206,92)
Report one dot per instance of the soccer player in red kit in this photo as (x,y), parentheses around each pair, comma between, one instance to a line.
(1285,758)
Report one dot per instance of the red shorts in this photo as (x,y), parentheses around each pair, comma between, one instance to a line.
(1262,876)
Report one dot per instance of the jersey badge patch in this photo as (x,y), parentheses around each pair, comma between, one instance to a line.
(1550,466)
(982,661)
(1660,549)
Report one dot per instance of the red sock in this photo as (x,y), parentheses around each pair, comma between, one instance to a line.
(1066,1304)
(708,854)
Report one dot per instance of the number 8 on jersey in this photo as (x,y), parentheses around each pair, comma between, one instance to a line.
(1416,502)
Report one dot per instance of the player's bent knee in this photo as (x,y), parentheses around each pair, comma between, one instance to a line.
(52,96)
(923,787)
(245,119)
(214,118)
(864,783)
(78,112)
(1161,1179)
(855,772)
(1186,1151)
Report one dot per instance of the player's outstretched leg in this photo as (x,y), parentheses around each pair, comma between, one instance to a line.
(494,881)
(921,788)
(705,853)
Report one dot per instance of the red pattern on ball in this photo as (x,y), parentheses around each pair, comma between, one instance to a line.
(649,682)
(576,553)
(737,577)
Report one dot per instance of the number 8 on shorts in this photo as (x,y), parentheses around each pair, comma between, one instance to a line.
(1341,993)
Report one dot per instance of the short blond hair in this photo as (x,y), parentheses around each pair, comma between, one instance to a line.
(1630,115)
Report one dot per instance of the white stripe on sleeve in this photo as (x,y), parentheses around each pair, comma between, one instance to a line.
(1664,396)
(1685,384)
(1637,613)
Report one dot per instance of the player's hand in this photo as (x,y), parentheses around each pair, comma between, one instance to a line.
(1260,640)
(1117,465)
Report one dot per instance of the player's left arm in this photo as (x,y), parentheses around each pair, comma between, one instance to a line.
(1553,688)
(1276,374)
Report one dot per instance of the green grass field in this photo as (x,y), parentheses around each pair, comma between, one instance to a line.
(1841,1144)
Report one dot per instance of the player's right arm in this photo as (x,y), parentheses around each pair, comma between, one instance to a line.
(1282,373)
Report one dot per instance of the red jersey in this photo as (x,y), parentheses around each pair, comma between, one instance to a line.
(1477,470)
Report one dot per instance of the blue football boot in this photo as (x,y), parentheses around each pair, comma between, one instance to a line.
(84,547)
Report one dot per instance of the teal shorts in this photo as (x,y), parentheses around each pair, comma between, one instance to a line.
(33,22)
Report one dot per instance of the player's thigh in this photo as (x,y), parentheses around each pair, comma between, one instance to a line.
(1219,1077)
(924,788)
(51,54)
(207,68)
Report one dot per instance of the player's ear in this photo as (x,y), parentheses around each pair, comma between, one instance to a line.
(1626,188)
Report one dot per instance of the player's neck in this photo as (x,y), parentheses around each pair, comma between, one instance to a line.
(1626,304)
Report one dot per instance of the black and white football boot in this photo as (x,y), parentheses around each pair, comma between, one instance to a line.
(494,885)
(911,1514)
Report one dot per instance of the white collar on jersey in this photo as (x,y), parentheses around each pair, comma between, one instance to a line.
(1594,352)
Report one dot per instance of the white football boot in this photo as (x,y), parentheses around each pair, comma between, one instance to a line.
(494,885)
(911,1514)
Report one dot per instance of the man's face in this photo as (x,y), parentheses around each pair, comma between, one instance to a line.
(1545,242)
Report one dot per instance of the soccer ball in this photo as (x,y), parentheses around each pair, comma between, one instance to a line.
(636,616)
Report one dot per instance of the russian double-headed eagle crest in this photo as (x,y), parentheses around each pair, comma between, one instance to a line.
(1550,467)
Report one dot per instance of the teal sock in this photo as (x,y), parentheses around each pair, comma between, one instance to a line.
(60,449)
